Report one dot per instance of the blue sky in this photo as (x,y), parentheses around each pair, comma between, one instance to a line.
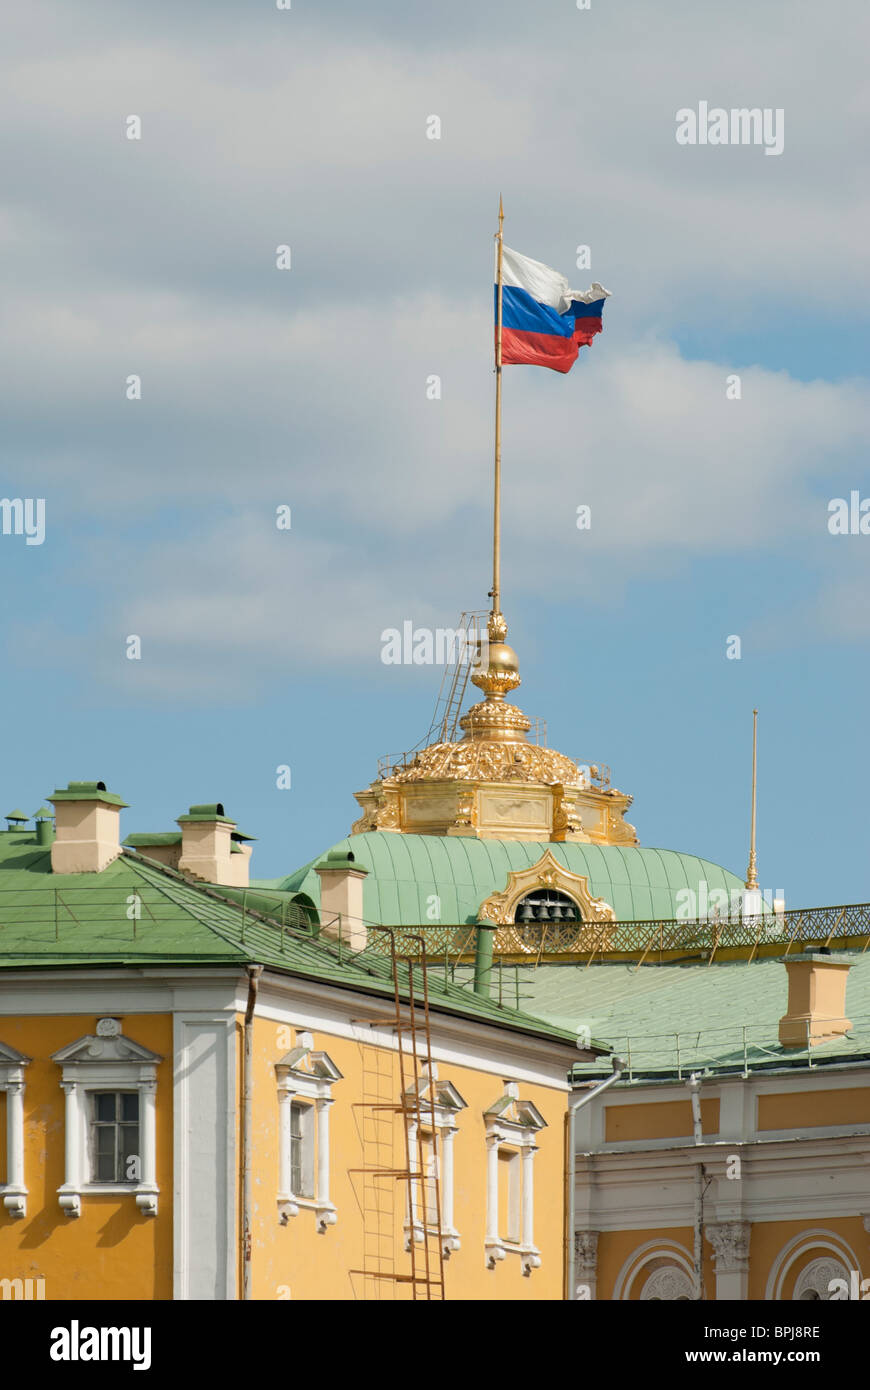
(307,388)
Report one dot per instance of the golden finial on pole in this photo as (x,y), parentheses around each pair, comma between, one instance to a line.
(752,871)
(497,625)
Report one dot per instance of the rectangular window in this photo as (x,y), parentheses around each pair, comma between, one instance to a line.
(115,1152)
(509,1195)
(301,1149)
(429,1169)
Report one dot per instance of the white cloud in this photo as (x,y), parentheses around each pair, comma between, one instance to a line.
(260,387)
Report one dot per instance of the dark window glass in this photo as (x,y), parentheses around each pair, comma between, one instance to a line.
(301,1149)
(130,1107)
(104,1102)
(115,1136)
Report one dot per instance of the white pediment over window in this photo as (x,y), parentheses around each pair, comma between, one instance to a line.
(93,1049)
(510,1110)
(305,1080)
(431,1108)
(512,1126)
(430,1090)
(10,1058)
(307,1065)
(107,1064)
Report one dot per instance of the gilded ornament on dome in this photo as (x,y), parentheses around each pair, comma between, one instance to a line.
(547,873)
(561,803)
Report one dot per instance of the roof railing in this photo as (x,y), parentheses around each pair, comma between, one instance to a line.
(660,939)
(708,1050)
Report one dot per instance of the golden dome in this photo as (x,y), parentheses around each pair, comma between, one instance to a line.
(492,783)
(491,760)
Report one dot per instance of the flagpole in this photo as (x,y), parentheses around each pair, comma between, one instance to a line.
(752,871)
(496,519)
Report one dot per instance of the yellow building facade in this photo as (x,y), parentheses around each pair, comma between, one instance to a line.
(200,1100)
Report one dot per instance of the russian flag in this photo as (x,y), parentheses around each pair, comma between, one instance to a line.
(544,321)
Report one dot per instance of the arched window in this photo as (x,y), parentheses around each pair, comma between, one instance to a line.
(668,1284)
(547,913)
(813,1284)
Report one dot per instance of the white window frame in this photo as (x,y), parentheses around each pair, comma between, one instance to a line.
(14,1191)
(307,1076)
(306,1139)
(511,1172)
(93,1124)
(107,1061)
(512,1124)
(447,1105)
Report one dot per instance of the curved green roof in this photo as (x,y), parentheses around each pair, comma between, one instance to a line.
(405,871)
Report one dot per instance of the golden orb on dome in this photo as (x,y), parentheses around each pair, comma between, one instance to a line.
(502,657)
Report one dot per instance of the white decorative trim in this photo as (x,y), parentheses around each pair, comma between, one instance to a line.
(106,1061)
(781,1181)
(511,1123)
(815,1278)
(814,1238)
(660,1251)
(205,1156)
(669,1283)
(456,1041)
(309,1075)
(730,1241)
(12,1064)
(447,1104)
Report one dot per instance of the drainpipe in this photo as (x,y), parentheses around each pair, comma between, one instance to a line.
(694,1086)
(571,1167)
(483,957)
(254,973)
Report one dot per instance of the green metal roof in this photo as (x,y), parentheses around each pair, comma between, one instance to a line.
(212,810)
(87,791)
(678,1018)
(138,913)
(405,871)
(160,837)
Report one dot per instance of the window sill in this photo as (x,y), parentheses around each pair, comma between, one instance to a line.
(450,1240)
(324,1211)
(498,1250)
(70,1198)
(14,1200)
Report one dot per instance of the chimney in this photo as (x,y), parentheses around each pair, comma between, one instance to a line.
(87,828)
(44,826)
(213,848)
(816,1010)
(165,847)
(341,898)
